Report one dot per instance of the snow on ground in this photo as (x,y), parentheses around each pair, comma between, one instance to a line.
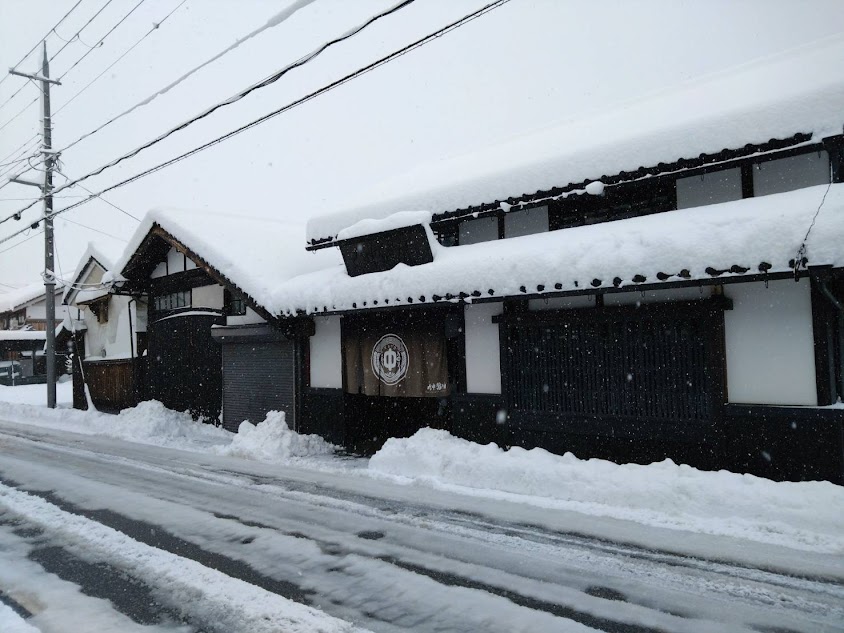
(226,602)
(11,622)
(37,394)
(806,515)
(272,440)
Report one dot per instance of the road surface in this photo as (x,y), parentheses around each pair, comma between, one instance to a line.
(112,535)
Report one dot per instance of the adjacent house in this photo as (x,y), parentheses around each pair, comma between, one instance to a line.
(108,334)
(215,343)
(23,319)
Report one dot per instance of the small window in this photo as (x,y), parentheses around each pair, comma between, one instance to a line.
(711,188)
(172,301)
(234,305)
(526,222)
(788,174)
(478,230)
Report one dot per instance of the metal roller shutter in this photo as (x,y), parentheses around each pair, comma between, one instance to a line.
(258,377)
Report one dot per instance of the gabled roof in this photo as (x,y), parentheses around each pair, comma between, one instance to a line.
(800,91)
(102,255)
(751,237)
(251,254)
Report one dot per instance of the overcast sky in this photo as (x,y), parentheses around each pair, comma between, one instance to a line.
(522,67)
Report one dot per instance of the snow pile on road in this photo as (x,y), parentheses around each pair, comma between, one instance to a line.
(148,423)
(11,622)
(273,441)
(804,515)
(151,423)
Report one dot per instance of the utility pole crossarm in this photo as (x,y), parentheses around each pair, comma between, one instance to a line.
(12,71)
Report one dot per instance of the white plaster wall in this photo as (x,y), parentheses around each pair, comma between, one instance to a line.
(160,270)
(483,357)
(175,261)
(208,297)
(787,174)
(711,188)
(326,354)
(526,222)
(109,340)
(38,310)
(479,230)
(770,344)
(250,318)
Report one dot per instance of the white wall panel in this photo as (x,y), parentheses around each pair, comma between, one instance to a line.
(711,188)
(208,297)
(787,174)
(770,344)
(526,222)
(326,356)
(479,230)
(483,356)
(175,262)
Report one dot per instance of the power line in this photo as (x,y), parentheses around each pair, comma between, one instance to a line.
(91,228)
(102,39)
(155,27)
(111,204)
(238,96)
(16,244)
(335,84)
(76,35)
(46,35)
(88,52)
(26,142)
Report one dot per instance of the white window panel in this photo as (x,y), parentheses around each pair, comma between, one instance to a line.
(711,188)
(479,230)
(788,174)
(526,222)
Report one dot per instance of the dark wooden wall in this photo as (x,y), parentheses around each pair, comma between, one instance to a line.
(111,384)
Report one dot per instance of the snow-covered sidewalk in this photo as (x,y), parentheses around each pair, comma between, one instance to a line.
(807,516)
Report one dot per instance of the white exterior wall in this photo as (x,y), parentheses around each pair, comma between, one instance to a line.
(326,354)
(208,297)
(711,188)
(526,222)
(788,174)
(478,230)
(108,341)
(770,344)
(483,356)
(250,318)
(175,262)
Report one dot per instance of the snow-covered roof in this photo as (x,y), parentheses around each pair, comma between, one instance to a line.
(23,335)
(732,238)
(21,297)
(104,254)
(255,254)
(798,91)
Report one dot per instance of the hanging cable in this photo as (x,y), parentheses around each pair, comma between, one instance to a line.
(102,39)
(111,204)
(46,35)
(327,88)
(154,28)
(76,35)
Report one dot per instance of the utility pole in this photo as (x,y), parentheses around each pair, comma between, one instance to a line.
(47,193)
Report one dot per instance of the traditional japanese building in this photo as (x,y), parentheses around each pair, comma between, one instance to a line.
(662,281)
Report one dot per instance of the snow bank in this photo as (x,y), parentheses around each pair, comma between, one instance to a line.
(11,622)
(37,394)
(148,423)
(805,515)
(273,441)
